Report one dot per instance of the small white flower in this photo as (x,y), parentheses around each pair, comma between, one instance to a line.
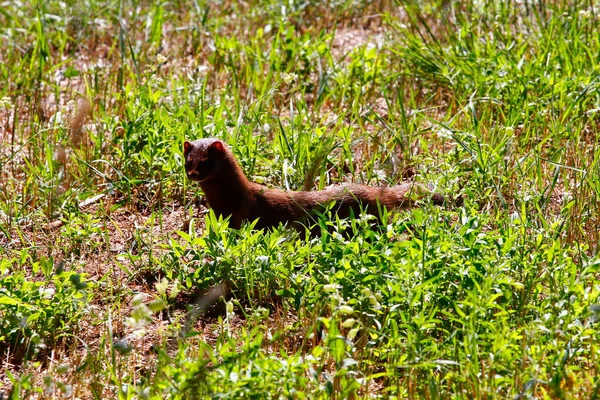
(56,119)
(288,169)
(160,59)
(289,78)
(567,197)
(263,260)
(266,127)
(444,133)
(337,236)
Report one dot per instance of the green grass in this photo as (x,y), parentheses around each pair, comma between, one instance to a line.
(119,296)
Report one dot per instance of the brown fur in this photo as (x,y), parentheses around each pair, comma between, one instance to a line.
(230,193)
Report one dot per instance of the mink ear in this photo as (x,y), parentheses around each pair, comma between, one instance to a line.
(187,147)
(217,147)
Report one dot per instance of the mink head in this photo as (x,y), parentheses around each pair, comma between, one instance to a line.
(204,158)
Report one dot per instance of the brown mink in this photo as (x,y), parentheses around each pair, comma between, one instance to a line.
(230,193)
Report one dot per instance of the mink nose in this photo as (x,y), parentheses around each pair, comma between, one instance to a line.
(192,174)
